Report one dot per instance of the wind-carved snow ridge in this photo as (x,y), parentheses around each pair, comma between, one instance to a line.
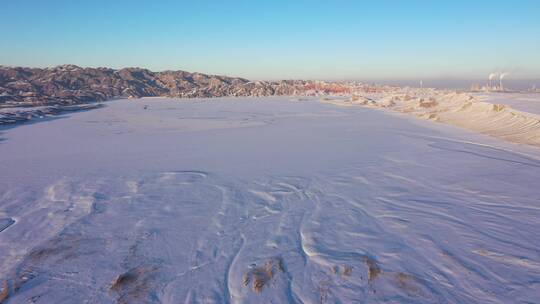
(286,239)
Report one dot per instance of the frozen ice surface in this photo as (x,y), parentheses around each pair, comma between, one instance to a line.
(526,102)
(264,200)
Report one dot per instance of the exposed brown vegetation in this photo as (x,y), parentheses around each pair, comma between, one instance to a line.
(134,284)
(498,107)
(347,270)
(373,269)
(123,279)
(428,104)
(406,282)
(4,292)
(403,281)
(344,270)
(260,276)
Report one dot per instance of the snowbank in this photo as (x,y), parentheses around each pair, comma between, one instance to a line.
(458,109)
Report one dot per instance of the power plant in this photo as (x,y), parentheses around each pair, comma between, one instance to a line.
(493,85)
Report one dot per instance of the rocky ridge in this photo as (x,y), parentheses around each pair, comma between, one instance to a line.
(71,84)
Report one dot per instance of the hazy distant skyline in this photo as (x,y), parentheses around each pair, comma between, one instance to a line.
(279,39)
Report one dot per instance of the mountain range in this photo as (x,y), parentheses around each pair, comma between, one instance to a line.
(71,84)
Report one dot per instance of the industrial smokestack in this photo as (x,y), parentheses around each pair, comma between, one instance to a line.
(491,76)
(501,77)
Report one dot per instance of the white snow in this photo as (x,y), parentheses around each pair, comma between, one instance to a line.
(473,112)
(203,201)
(527,102)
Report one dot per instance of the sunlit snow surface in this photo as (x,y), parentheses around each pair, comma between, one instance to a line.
(528,102)
(264,200)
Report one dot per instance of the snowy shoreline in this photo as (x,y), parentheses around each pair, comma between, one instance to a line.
(17,115)
(475,113)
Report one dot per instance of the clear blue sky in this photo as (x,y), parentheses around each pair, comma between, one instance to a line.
(279,39)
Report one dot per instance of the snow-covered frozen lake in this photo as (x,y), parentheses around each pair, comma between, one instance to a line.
(526,102)
(264,200)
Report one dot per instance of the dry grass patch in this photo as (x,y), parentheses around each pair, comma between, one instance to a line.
(4,292)
(260,276)
(373,269)
(134,285)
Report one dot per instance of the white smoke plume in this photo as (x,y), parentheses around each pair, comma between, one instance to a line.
(501,77)
(492,75)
